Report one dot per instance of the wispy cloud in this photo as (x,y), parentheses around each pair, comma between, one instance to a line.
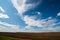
(1,9)
(3,15)
(44,29)
(6,27)
(50,29)
(47,24)
(21,5)
(20,8)
(39,23)
(58,14)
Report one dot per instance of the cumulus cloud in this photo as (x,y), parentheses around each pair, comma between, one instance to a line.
(58,14)
(1,9)
(6,27)
(3,15)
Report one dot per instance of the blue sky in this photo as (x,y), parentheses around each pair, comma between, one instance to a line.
(30,16)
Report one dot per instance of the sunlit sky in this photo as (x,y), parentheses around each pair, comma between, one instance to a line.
(29,15)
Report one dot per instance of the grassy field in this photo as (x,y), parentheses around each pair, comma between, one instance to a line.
(10,38)
(30,36)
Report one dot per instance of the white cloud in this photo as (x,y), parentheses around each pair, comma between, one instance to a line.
(48,24)
(57,29)
(39,23)
(6,27)
(21,5)
(1,9)
(50,18)
(3,15)
(44,29)
(38,13)
(28,27)
(30,20)
(20,8)
(58,14)
(50,29)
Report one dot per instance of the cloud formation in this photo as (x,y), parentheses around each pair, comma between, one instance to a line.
(1,9)
(47,24)
(3,15)
(39,23)
(58,14)
(21,5)
(6,27)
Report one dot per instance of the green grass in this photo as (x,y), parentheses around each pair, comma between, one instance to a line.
(10,38)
